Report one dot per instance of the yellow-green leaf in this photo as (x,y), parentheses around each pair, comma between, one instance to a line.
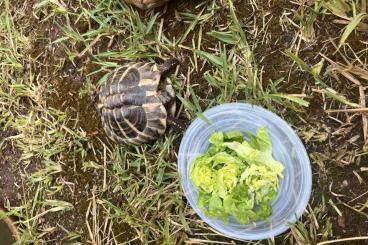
(226,37)
(351,27)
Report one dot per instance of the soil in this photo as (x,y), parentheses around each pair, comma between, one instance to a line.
(70,78)
(10,175)
(345,183)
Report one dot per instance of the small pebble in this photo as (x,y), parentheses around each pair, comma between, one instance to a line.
(345,183)
(341,221)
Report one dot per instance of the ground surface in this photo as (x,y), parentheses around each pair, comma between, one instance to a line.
(67,183)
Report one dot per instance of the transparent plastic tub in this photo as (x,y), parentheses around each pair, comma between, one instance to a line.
(295,187)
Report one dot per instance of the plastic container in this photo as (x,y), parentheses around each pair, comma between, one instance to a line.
(295,187)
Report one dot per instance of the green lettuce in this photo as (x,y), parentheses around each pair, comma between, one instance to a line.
(202,174)
(236,177)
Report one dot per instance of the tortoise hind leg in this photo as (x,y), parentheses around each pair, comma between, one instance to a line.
(168,101)
(167,97)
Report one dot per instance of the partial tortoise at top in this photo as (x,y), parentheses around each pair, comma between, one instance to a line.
(147,4)
(136,101)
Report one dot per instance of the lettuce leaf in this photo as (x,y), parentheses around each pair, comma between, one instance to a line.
(203,199)
(235,135)
(227,179)
(225,159)
(217,138)
(263,140)
(215,208)
(243,150)
(202,174)
(236,177)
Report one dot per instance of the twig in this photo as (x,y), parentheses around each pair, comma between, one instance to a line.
(358,197)
(89,46)
(364,116)
(344,240)
(365,109)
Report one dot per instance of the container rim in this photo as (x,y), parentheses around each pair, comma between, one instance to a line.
(305,196)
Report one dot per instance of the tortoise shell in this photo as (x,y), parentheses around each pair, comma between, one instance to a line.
(132,103)
(147,4)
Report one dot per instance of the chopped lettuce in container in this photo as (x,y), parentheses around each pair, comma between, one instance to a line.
(236,177)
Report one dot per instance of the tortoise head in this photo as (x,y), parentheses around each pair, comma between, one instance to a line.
(168,66)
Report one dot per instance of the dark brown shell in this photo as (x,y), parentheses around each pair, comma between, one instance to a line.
(129,106)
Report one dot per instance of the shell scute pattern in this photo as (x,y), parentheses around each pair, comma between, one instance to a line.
(129,106)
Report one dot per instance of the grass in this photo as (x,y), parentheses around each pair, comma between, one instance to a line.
(80,188)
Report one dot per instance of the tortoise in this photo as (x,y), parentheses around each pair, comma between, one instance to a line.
(136,101)
(147,4)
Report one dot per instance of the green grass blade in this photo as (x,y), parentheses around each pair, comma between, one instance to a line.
(334,95)
(226,37)
(195,99)
(307,68)
(151,23)
(299,61)
(293,98)
(328,91)
(351,27)
(186,103)
(216,60)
